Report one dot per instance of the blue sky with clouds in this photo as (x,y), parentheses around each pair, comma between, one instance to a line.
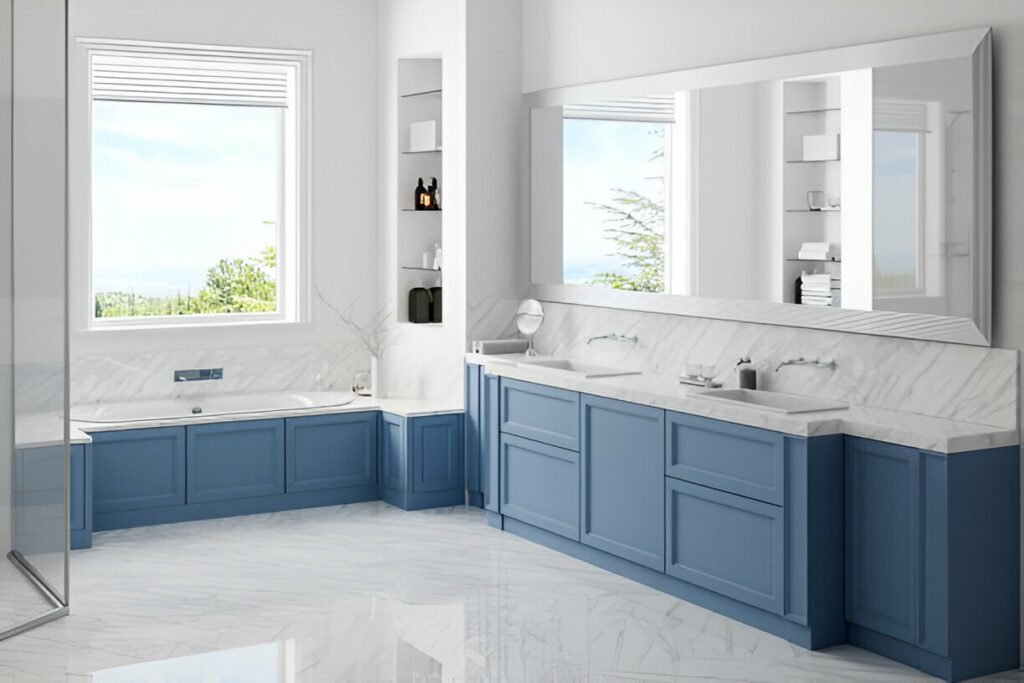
(178,187)
(598,157)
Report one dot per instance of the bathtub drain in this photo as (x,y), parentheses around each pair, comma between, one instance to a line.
(197,410)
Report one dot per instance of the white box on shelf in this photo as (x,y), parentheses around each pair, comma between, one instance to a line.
(423,136)
(821,147)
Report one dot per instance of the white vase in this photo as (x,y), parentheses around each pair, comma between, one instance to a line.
(375,379)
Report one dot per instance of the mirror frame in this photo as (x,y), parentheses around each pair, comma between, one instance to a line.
(975,43)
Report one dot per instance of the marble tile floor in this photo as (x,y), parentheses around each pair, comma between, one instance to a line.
(368,592)
(20,600)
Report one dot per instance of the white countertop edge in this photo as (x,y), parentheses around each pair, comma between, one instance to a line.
(906,429)
(403,407)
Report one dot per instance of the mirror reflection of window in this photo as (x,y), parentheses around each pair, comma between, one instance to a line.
(898,215)
(617,166)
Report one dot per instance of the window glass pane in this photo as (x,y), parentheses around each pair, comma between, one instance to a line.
(897,211)
(185,206)
(614,203)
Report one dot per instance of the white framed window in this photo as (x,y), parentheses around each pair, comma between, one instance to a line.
(189,185)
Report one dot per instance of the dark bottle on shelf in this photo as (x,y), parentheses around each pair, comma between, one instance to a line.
(435,303)
(421,192)
(419,304)
(432,195)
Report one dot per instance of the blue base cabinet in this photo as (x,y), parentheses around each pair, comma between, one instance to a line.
(540,485)
(80,497)
(233,460)
(421,461)
(932,564)
(137,469)
(331,452)
(483,438)
(622,489)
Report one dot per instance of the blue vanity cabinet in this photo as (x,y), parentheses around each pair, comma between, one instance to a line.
(331,452)
(234,460)
(622,491)
(490,441)
(474,438)
(136,469)
(80,497)
(932,556)
(422,461)
(540,485)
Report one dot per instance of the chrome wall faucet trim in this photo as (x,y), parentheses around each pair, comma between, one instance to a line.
(615,337)
(827,363)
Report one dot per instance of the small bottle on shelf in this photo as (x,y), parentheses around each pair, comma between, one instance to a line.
(420,193)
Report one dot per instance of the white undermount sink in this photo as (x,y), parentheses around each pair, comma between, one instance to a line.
(771,401)
(583,370)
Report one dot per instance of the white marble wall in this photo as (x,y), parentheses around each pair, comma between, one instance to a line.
(968,383)
(113,376)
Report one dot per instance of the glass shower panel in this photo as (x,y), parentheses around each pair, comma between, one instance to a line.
(33,381)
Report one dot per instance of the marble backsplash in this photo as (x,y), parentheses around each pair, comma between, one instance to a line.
(953,381)
(110,377)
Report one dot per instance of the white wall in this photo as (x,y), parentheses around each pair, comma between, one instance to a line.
(343,221)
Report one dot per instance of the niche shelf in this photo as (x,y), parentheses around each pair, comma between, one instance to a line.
(419,98)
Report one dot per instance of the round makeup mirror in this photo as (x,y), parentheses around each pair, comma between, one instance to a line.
(529,316)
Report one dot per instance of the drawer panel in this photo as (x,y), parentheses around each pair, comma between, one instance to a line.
(540,485)
(726,543)
(541,413)
(735,458)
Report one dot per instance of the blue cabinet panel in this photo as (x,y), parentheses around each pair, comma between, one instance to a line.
(437,453)
(331,451)
(540,485)
(473,434)
(235,460)
(743,460)
(883,538)
(726,543)
(138,469)
(77,505)
(392,452)
(623,481)
(541,413)
(490,440)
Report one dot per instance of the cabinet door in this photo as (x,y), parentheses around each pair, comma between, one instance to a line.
(490,457)
(392,452)
(138,469)
(623,480)
(540,485)
(330,451)
(726,543)
(234,460)
(883,538)
(437,453)
(76,510)
(474,437)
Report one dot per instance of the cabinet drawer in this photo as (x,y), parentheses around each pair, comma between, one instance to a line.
(735,458)
(726,543)
(540,485)
(541,413)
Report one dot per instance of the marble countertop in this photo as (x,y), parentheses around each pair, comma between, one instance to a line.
(37,431)
(665,391)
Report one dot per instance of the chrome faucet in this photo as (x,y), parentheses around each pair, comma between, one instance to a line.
(828,363)
(612,336)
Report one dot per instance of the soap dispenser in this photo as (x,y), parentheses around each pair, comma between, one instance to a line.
(747,374)
(419,304)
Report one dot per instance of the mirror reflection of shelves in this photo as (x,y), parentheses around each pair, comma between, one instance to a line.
(812,182)
(420,160)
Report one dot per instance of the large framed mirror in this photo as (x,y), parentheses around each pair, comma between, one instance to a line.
(845,189)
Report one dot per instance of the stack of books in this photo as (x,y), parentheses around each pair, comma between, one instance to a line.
(820,289)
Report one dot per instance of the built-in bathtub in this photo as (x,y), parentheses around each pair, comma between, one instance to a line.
(208,406)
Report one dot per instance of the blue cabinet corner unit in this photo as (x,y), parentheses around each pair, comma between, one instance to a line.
(421,461)
(821,540)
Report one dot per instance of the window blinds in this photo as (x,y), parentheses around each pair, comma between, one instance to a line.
(909,116)
(191,78)
(653,108)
